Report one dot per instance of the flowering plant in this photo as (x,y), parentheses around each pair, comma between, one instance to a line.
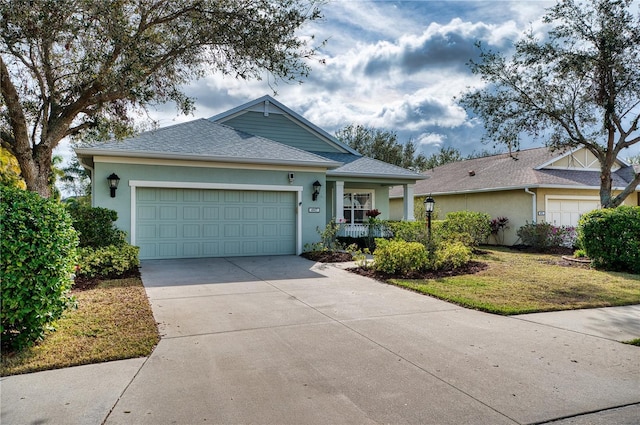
(373,213)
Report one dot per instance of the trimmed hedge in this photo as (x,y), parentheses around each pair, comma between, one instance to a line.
(476,224)
(611,238)
(107,261)
(95,225)
(38,254)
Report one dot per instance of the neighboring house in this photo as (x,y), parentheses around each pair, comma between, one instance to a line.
(531,185)
(256,180)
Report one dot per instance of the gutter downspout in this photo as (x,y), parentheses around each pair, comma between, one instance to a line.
(534,204)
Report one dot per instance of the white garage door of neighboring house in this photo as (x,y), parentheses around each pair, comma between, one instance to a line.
(567,212)
(189,223)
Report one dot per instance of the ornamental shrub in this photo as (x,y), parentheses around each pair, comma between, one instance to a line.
(476,224)
(95,225)
(108,261)
(545,235)
(400,257)
(450,255)
(412,231)
(611,238)
(38,254)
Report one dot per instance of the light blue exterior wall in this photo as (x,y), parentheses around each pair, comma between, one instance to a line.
(127,172)
(281,129)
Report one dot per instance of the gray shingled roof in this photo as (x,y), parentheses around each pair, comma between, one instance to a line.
(501,172)
(362,166)
(207,141)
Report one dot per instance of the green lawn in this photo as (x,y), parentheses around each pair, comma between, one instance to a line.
(516,283)
(113,321)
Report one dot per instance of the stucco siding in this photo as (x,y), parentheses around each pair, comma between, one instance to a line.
(281,129)
(132,172)
(516,205)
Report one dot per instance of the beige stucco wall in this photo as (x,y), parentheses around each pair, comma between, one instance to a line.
(516,205)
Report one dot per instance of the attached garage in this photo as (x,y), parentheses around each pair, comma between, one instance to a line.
(566,211)
(173,222)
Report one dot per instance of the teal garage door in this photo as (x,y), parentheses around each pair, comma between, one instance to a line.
(190,223)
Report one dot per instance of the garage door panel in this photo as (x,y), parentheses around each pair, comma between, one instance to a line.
(250,213)
(191,195)
(250,197)
(210,213)
(211,249)
(168,213)
(191,249)
(567,212)
(211,231)
(184,223)
(231,196)
(191,213)
(168,231)
(147,213)
(168,250)
(269,213)
(168,195)
(211,195)
(231,213)
(191,231)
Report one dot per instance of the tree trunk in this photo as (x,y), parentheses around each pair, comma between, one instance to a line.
(38,181)
(605,186)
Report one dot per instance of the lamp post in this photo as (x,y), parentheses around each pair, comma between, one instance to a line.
(429,203)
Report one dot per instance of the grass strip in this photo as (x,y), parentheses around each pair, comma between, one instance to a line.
(518,283)
(113,321)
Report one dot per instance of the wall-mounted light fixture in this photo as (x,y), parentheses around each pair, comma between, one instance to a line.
(316,190)
(113,180)
(291,177)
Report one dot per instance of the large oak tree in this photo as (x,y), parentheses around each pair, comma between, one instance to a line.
(577,87)
(81,68)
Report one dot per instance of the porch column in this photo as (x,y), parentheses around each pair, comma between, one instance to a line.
(339,203)
(408,203)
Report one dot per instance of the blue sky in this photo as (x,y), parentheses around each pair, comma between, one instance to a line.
(393,65)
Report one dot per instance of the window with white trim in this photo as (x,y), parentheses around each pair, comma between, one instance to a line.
(356,204)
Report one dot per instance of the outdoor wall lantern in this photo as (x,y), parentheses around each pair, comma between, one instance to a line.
(113,180)
(316,190)
(429,203)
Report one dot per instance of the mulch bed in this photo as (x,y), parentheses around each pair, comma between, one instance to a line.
(470,268)
(327,256)
(84,283)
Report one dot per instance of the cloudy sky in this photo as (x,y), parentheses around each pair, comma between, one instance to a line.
(393,65)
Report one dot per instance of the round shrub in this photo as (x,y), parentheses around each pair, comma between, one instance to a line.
(451,255)
(400,257)
(38,254)
(95,225)
(611,238)
(476,224)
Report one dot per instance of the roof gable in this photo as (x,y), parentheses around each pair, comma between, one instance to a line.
(577,159)
(269,118)
(203,140)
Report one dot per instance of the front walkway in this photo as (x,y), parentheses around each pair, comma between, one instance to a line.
(281,340)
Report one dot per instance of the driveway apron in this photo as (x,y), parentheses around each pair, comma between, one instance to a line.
(288,341)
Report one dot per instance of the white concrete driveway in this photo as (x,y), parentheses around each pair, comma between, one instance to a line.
(281,340)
